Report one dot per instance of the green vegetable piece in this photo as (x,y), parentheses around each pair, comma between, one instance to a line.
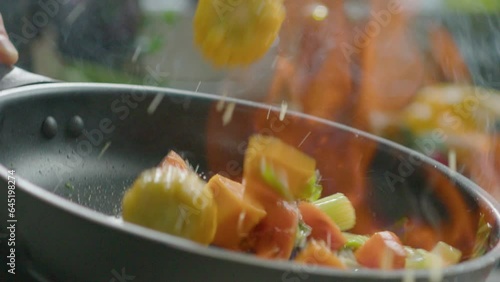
(442,255)
(69,186)
(422,259)
(287,170)
(482,237)
(339,209)
(303,232)
(354,241)
(449,254)
(312,191)
(270,177)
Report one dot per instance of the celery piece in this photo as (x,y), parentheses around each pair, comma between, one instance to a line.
(449,254)
(422,259)
(303,231)
(339,209)
(354,241)
(482,238)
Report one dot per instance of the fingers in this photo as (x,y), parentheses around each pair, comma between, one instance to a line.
(8,53)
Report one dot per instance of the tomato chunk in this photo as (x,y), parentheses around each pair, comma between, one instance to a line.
(383,250)
(236,215)
(274,236)
(322,226)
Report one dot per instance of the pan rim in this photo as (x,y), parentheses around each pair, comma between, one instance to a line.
(93,216)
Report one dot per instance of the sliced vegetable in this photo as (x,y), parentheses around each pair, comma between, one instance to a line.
(313,189)
(447,253)
(422,259)
(339,209)
(274,236)
(383,250)
(236,215)
(271,178)
(303,231)
(237,32)
(322,226)
(175,160)
(290,173)
(174,201)
(354,241)
(442,255)
(318,253)
(482,237)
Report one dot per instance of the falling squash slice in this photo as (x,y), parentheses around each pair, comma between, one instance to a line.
(236,32)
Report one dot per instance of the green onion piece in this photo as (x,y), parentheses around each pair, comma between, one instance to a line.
(313,190)
(339,209)
(269,175)
(354,241)
(449,254)
(303,231)
(482,238)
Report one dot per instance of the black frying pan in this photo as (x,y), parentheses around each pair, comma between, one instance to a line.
(75,148)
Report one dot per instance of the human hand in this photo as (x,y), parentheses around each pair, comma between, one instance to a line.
(8,53)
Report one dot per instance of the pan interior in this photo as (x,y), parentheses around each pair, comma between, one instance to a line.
(119,139)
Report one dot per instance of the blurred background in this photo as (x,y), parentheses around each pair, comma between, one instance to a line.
(425,74)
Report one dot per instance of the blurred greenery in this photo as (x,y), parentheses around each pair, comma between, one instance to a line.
(474,5)
(170,17)
(156,43)
(90,72)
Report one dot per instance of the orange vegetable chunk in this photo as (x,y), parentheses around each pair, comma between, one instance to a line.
(322,226)
(236,215)
(290,169)
(175,160)
(383,250)
(274,236)
(318,253)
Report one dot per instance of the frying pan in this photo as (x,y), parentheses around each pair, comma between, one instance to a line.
(76,147)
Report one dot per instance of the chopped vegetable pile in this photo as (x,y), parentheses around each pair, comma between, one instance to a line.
(274,213)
